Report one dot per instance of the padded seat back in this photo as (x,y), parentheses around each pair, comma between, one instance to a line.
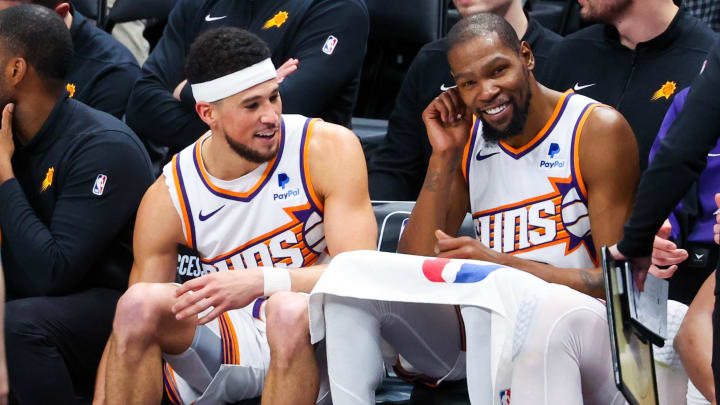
(391,217)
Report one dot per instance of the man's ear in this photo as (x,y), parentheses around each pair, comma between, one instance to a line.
(63,9)
(15,70)
(206,111)
(527,55)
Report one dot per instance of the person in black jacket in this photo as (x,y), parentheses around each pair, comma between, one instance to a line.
(71,179)
(682,156)
(398,167)
(324,40)
(635,61)
(103,71)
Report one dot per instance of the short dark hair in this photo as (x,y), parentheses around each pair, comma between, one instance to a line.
(482,24)
(221,51)
(40,36)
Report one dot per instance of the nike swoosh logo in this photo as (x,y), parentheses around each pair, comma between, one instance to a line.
(480,157)
(208,18)
(578,87)
(443,87)
(713,154)
(205,217)
(699,256)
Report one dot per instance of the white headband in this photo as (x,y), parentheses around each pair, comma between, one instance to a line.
(234,83)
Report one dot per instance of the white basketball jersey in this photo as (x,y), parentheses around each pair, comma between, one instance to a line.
(532,202)
(269,217)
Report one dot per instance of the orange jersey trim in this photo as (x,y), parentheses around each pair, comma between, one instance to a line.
(218,189)
(183,203)
(306,167)
(576,157)
(541,134)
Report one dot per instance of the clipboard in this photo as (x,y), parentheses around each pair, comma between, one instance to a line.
(633,362)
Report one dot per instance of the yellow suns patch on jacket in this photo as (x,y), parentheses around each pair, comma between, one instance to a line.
(48,179)
(667,90)
(70,89)
(277,20)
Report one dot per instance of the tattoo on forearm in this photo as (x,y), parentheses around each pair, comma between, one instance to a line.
(431,181)
(591,281)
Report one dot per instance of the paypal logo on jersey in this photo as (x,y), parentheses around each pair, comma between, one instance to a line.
(283,194)
(283,179)
(552,164)
(554,150)
(448,271)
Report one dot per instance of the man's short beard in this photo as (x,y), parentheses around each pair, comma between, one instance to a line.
(515,127)
(607,14)
(250,154)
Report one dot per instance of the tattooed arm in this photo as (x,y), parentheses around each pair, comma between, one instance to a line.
(608,163)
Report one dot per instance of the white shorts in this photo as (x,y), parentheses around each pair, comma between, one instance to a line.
(226,362)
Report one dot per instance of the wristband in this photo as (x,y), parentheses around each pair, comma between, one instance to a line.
(275,279)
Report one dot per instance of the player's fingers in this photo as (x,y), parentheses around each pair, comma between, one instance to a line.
(439,234)
(192,285)
(6,123)
(442,108)
(186,300)
(458,105)
(717,200)
(195,309)
(211,315)
(455,254)
(450,110)
(451,243)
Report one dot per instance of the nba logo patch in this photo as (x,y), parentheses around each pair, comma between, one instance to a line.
(448,271)
(99,186)
(505,397)
(330,45)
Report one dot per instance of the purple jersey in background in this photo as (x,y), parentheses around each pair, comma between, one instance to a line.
(708,183)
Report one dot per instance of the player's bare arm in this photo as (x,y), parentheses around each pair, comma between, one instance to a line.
(157,233)
(608,164)
(695,337)
(444,198)
(339,176)
(338,173)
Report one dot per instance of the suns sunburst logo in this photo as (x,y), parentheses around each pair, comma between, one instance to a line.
(667,90)
(277,20)
(70,89)
(47,182)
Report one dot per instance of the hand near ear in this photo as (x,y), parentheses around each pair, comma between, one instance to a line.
(7,144)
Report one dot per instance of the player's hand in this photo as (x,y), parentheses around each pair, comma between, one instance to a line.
(223,290)
(287,68)
(178,90)
(448,122)
(7,143)
(463,247)
(666,254)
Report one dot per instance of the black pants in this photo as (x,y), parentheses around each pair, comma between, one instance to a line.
(54,344)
